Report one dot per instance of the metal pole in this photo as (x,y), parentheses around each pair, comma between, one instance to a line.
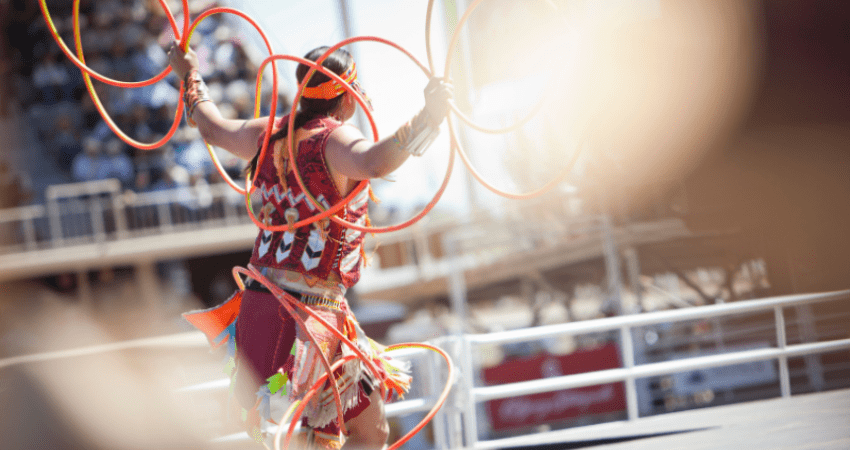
(97,219)
(808,333)
(439,421)
(348,31)
(165,219)
(464,91)
(470,419)
(54,217)
(784,378)
(612,266)
(457,283)
(457,294)
(120,214)
(633,267)
(628,350)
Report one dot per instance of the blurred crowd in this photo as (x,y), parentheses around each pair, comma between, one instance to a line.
(123,40)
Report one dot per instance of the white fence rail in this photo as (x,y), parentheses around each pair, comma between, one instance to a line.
(469,394)
(80,213)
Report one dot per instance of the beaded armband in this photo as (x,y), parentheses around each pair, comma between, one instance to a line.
(417,134)
(195,91)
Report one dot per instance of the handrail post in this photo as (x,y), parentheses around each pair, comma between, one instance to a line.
(470,420)
(614,295)
(165,219)
(120,214)
(439,421)
(781,342)
(628,351)
(54,218)
(808,333)
(96,215)
(455,413)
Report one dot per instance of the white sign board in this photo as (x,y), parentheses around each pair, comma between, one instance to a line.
(725,377)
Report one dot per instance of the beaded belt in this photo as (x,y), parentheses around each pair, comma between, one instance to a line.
(314,300)
(327,288)
(306,299)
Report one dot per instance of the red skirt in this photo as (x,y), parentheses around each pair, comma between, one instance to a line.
(270,351)
(266,344)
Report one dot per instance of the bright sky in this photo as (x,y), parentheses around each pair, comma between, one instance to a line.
(395,83)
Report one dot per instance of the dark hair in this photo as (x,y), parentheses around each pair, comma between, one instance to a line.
(310,108)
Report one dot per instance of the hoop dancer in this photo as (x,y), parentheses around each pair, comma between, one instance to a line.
(315,263)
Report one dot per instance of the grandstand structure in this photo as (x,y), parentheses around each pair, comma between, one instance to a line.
(684,223)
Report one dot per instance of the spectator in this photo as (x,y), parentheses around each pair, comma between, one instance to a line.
(89,116)
(100,64)
(203,198)
(150,165)
(240,99)
(116,163)
(174,176)
(49,77)
(175,180)
(65,145)
(162,119)
(194,157)
(148,58)
(132,34)
(87,165)
(122,39)
(120,61)
(140,119)
(245,68)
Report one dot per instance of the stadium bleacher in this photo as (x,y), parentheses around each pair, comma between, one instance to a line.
(68,141)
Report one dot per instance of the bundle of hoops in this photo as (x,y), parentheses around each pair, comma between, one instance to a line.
(184,36)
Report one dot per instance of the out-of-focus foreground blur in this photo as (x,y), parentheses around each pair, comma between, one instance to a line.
(714,168)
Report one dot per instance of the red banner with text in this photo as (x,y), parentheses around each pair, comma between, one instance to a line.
(538,409)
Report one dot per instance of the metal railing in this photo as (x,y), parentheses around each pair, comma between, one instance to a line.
(456,425)
(469,395)
(100,211)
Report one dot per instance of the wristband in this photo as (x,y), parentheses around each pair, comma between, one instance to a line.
(195,91)
(417,134)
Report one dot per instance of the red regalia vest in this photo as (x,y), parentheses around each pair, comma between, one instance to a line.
(323,247)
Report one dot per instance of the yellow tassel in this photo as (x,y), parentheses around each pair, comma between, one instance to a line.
(366,259)
(372,195)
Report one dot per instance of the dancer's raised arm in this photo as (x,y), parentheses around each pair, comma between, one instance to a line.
(237,136)
(352,155)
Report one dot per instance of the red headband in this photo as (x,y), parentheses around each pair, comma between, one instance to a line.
(331,89)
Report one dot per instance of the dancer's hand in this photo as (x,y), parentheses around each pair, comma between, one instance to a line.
(182,62)
(437,95)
